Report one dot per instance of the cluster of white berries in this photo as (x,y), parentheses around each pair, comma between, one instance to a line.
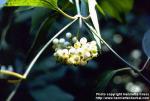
(74,51)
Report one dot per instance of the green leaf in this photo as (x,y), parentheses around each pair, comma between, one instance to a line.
(115,8)
(94,18)
(43,27)
(100,9)
(52,4)
(105,79)
(40,36)
(38,18)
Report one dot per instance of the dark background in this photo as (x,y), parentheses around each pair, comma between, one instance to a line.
(53,81)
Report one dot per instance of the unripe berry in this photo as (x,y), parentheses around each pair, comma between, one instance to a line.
(74,39)
(2,68)
(68,35)
(61,40)
(10,68)
(60,52)
(66,43)
(54,46)
(55,41)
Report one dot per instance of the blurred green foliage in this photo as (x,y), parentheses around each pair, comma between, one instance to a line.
(52,4)
(115,8)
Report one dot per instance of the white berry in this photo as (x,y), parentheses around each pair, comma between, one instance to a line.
(93,42)
(72,51)
(68,35)
(61,40)
(65,51)
(66,43)
(74,39)
(55,41)
(87,55)
(83,40)
(3,67)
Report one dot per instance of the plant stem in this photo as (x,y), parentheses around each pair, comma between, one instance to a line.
(144,66)
(131,66)
(117,54)
(3,43)
(78,12)
(12,74)
(13,92)
(59,10)
(123,69)
(44,47)
(72,17)
(104,42)
(36,57)
(65,14)
(78,7)
(86,17)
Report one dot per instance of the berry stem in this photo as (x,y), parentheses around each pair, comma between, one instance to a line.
(13,92)
(79,12)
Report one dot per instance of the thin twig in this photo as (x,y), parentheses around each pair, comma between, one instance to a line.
(36,57)
(104,42)
(144,66)
(72,17)
(3,43)
(78,12)
(13,92)
(131,66)
(123,69)
(78,7)
(44,47)
(66,15)
(12,74)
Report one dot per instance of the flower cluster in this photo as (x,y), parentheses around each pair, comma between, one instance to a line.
(74,51)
